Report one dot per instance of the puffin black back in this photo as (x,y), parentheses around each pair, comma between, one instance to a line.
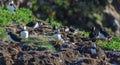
(31,24)
(14,37)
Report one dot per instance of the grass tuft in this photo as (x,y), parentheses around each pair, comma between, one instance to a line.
(41,42)
(113,44)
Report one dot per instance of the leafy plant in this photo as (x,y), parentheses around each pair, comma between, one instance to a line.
(53,22)
(64,3)
(83,33)
(113,44)
(3,34)
(40,42)
(21,15)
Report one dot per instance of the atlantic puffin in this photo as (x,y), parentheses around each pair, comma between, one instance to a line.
(96,33)
(93,34)
(33,24)
(24,33)
(103,35)
(12,37)
(58,37)
(54,27)
(11,7)
(72,30)
(93,49)
(64,29)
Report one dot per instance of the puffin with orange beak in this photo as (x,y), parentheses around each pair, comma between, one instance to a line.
(11,7)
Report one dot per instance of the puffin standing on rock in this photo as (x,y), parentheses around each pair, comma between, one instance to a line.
(12,37)
(73,31)
(93,34)
(93,50)
(58,40)
(33,24)
(34,27)
(103,35)
(11,6)
(58,37)
(54,28)
(66,29)
(24,33)
(98,34)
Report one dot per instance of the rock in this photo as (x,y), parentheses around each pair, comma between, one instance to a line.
(73,52)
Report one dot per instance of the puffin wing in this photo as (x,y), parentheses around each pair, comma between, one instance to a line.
(105,33)
(15,38)
(10,39)
(31,24)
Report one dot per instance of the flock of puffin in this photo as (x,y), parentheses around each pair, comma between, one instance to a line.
(24,33)
(95,33)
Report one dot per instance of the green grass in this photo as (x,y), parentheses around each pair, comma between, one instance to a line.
(3,34)
(21,15)
(53,22)
(41,42)
(83,33)
(113,44)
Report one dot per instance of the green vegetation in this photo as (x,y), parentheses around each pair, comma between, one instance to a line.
(83,33)
(113,44)
(40,42)
(21,15)
(3,34)
(53,22)
(62,11)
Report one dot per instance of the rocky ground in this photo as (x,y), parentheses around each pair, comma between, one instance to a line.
(76,51)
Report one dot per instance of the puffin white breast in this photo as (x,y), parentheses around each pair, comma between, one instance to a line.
(36,25)
(93,51)
(24,34)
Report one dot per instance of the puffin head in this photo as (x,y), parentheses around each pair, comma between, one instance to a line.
(24,27)
(11,2)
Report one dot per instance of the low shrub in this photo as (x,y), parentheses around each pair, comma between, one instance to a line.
(83,33)
(3,34)
(41,42)
(113,44)
(53,22)
(21,15)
